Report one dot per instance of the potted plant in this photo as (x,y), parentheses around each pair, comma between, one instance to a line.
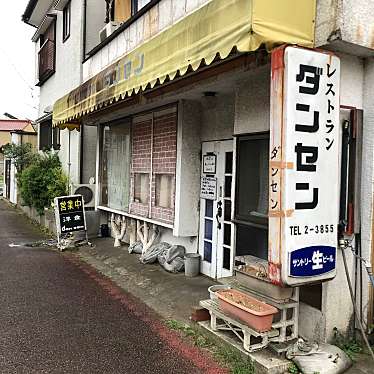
(249,310)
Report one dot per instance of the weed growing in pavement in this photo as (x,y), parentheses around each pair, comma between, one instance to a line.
(222,352)
(293,369)
(348,344)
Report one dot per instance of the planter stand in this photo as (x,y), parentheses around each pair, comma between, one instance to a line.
(221,324)
(283,330)
(288,324)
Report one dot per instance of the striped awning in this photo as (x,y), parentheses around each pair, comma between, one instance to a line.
(212,30)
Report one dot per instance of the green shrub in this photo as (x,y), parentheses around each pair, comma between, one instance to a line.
(21,154)
(42,181)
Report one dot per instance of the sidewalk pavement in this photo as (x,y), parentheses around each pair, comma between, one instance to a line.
(172,296)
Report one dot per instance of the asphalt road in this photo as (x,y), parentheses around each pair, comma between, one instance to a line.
(59,316)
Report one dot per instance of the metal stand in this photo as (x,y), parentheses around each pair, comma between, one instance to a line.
(219,321)
(284,328)
(61,248)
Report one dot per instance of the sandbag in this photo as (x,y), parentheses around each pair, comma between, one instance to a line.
(173,252)
(136,247)
(174,266)
(150,256)
(322,358)
(171,259)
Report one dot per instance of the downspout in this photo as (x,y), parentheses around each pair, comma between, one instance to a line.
(151,170)
(84,33)
(69,160)
(81,153)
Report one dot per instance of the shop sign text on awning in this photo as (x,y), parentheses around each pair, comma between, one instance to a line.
(212,31)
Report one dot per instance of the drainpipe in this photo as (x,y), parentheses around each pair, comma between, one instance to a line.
(69,160)
(151,172)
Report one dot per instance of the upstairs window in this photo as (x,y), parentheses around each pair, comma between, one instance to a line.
(139,4)
(66,19)
(47,54)
(122,10)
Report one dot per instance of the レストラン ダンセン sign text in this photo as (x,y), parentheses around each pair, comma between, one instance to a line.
(304,167)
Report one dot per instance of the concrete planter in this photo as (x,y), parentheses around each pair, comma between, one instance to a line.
(249,310)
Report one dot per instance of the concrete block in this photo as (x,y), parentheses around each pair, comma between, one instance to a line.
(199,314)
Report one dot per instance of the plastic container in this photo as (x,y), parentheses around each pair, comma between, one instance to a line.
(104,230)
(249,310)
(191,264)
(216,287)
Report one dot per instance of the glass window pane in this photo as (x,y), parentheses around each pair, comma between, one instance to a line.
(227,212)
(142,3)
(209,208)
(141,188)
(208,229)
(228,180)
(228,164)
(115,172)
(122,10)
(227,234)
(253,180)
(207,251)
(251,241)
(164,190)
(226,258)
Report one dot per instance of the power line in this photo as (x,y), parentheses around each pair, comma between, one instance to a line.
(18,72)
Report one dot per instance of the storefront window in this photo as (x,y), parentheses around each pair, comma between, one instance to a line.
(141,188)
(252,193)
(165,190)
(153,163)
(115,171)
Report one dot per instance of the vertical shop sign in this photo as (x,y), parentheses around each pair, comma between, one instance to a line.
(304,166)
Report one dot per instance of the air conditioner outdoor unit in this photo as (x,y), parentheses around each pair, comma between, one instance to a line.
(88,192)
(108,29)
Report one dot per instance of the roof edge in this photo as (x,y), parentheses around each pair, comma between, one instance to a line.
(28,11)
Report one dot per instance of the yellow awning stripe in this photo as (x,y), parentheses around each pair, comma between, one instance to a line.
(214,29)
(69,125)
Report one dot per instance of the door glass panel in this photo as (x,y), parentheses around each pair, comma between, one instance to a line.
(226,258)
(208,229)
(228,163)
(207,251)
(227,234)
(209,208)
(228,180)
(227,215)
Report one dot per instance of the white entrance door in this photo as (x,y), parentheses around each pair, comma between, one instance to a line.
(216,229)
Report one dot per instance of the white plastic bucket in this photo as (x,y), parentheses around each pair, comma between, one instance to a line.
(212,290)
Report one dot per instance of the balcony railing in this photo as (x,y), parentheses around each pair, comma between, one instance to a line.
(46,60)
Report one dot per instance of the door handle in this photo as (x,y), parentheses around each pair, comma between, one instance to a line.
(219,214)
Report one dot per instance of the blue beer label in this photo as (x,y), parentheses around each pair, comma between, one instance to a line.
(312,261)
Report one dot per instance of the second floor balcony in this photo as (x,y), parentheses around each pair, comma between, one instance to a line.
(46,58)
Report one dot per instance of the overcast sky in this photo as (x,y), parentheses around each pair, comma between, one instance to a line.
(18,94)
